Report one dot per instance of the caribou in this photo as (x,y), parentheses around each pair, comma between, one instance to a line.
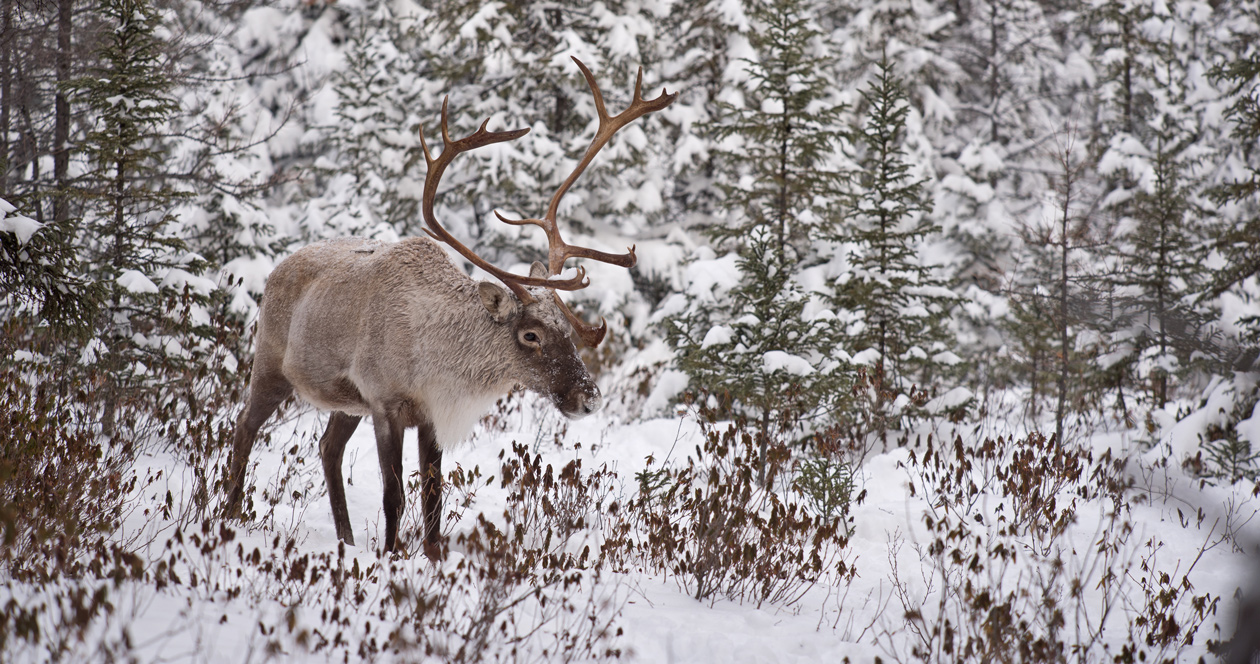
(397,332)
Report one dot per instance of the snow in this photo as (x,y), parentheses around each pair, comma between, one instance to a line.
(777,360)
(983,158)
(668,386)
(1249,429)
(252,271)
(136,282)
(21,226)
(706,278)
(914,311)
(866,357)
(657,618)
(952,399)
(717,335)
(732,15)
(179,279)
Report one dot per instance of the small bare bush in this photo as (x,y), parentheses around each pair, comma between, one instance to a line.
(525,585)
(1009,575)
(62,487)
(713,525)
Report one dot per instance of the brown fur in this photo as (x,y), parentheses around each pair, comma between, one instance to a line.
(397,332)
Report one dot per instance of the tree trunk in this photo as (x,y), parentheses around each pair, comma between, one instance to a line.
(61,126)
(764,447)
(993,72)
(6,89)
(783,191)
(1061,410)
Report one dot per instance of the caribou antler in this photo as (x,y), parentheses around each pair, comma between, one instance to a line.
(559,251)
(437,166)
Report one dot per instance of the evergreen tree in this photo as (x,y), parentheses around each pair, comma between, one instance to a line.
(39,272)
(764,345)
(779,139)
(152,308)
(702,40)
(1154,114)
(1029,328)
(219,148)
(1115,27)
(968,68)
(1162,264)
(1053,289)
(1009,101)
(1238,236)
(761,354)
(373,182)
(902,300)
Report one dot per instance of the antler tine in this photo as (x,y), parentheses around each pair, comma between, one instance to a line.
(590,335)
(558,250)
(608,125)
(520,222)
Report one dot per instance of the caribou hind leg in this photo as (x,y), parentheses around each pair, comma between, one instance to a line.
(431,490)
(332,447)
(389,438)
(266,392)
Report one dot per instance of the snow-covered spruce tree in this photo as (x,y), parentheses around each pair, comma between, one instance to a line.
(1115,28)
(1053,290)
(219,151)
(151,322)
(219,144)
(40,276)
(1161,264)
(1238,237)
(1009,102)
(372,182)
(901,299)
(1029,327)
(944,53)
(989,170)
(765,347)
(701,41)
(779,135)
(1153,163)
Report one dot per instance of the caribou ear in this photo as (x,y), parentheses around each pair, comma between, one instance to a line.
(497,300)
(538,271)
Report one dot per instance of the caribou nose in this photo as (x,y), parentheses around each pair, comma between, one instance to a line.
(589,401)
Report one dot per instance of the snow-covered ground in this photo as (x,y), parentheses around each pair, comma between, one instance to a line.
(268,591)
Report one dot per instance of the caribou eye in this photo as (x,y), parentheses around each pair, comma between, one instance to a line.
(531,337)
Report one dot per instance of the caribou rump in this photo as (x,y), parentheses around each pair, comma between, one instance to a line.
(397,332)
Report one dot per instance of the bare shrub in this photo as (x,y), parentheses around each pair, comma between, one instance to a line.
(524,586)
(713,525)
(1009,575)
(61,496)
